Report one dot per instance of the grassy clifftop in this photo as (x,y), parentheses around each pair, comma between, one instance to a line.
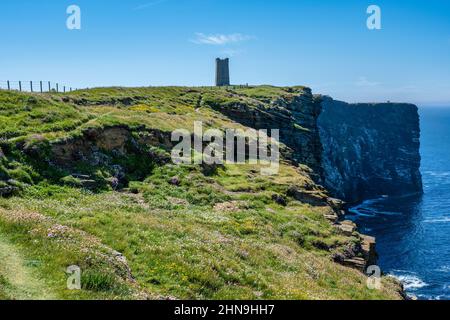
(86,182)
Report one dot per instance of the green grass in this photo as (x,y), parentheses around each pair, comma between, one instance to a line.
(220,236)
(60,115)
(18,278)
(178,244)
(23,114)
(37,257)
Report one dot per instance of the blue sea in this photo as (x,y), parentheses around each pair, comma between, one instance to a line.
(413,233)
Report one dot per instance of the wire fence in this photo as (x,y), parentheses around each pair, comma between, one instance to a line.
(49,86)
(35,86)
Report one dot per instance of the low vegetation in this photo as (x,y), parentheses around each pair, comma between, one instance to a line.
(143,228)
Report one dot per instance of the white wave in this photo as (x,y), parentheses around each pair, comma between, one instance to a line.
(389,213)
(411,282)
(438,174)
(444,269)
(364,209)
(430,298)
(362,212)
(440,220)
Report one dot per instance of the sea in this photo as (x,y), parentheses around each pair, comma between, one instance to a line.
(413,233)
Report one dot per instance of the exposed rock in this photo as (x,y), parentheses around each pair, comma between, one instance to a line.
(175,181)
(347,228)
(7,191)
(9,187)
(370,150)
(279,199)
(231,206)
(368,249)
(177,201)
(154,138)
(114,182)
(81,176)
(358,255)
(332,217)
(81,181)
(296,118)
(336,204)
(311,197)
(76,149)
(321,245)
(210,169)
(355,263)
(105,148)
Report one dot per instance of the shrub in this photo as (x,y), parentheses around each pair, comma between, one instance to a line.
(98,281)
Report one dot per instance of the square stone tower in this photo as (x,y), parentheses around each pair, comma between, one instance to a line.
(222,72)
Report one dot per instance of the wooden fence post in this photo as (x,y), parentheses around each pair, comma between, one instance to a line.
(64,89)
(20,85)
(40,84)
(57,88)
(31,86)
(9,87)
(49,87)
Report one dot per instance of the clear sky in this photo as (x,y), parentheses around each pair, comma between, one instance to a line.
(323,44)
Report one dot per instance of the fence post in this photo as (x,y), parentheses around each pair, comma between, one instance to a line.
(57,88)
(20,86)
(9,87)
(70,89)
(31,86)
(49,87)
(40,84)
(64,89)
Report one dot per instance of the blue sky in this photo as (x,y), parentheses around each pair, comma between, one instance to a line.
(323,44)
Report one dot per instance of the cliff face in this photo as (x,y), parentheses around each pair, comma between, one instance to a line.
(357,151)
(370,150)
(294,114)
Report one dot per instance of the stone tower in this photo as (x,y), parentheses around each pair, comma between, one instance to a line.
(222,72)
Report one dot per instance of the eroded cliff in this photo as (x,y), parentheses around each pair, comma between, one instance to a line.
(370,150)
(293,111)
(356,151)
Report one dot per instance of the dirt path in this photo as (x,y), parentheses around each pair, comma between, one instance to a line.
(18,280)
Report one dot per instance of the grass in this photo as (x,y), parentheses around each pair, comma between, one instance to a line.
(180,245)
(17,275)
(167,108)
(219,236)
(38,251)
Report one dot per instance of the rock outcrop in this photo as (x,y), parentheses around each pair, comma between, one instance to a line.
(294,114)
(370,150)
(356,151)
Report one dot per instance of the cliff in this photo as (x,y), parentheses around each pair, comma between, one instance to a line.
(357,151)
(294,111)
(370,150)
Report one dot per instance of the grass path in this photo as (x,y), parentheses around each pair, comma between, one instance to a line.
(17,279)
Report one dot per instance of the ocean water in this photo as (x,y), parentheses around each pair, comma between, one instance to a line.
(413,233)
